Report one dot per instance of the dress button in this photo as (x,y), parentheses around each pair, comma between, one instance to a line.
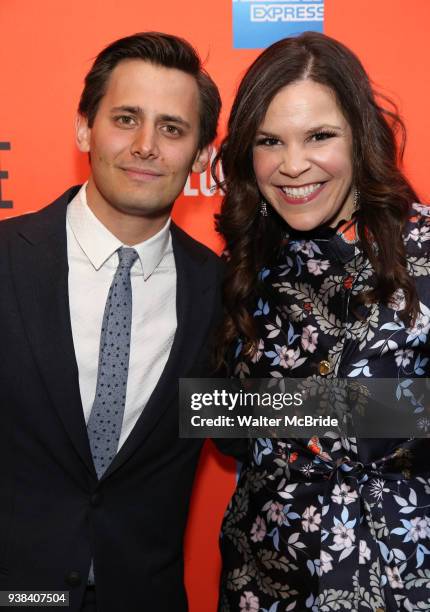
(96,499)
(73,579)
(324,367)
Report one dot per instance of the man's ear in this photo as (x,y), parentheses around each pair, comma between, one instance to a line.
(202,159)
(83,133)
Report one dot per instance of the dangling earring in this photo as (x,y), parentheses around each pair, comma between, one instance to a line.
(356,198)
(263,207)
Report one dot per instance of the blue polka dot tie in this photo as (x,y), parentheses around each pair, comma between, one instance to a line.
(105,422)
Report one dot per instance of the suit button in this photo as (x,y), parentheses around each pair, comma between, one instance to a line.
(324,367)
(73,579)
(96,499)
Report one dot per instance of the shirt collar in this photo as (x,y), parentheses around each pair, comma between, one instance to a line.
(99,244)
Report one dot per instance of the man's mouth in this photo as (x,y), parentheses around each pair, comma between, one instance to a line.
(141,174)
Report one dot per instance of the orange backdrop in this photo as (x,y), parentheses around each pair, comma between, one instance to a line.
(47,46)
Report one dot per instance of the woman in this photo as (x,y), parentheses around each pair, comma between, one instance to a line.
(327,277)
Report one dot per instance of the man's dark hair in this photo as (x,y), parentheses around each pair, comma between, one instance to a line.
(162,50)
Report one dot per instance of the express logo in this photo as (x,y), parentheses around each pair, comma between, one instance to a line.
(259,23)
(287,12)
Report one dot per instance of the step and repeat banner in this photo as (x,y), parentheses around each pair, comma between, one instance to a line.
(46,48)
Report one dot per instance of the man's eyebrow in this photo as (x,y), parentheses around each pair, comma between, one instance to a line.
(175,119)
(133,110)
(138,110)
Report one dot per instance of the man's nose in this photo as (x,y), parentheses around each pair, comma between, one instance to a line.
(145,142)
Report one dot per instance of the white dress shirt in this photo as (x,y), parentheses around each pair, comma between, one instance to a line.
(93,261)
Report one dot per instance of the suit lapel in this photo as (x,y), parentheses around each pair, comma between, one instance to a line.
(40,268)
(196,287)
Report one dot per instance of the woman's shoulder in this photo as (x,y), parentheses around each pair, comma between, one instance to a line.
(419,211)
(417,230)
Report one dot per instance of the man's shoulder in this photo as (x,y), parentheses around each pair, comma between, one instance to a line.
(194,248)
(52,215)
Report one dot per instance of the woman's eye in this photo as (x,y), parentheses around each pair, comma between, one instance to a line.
(267,141)
(319,136)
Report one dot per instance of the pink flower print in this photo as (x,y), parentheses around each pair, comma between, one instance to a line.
(394,577)
(325,562)
(258,530)
(364,553)
(317,266)
(311,519)
(343,494)
(420,330)
(309,338)
(420,234)
(287,358)
(403,357)
(397,300)
(344,537)
(419,529)
(249,602)
(275,512)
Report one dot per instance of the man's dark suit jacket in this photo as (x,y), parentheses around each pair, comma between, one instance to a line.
(54,514)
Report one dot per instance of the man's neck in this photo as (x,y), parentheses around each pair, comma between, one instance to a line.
(130,229)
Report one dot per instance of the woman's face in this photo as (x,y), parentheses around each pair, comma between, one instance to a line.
(302,157)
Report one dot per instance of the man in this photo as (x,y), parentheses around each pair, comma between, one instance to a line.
(105,304)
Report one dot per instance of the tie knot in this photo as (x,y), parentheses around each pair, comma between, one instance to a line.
(127,257)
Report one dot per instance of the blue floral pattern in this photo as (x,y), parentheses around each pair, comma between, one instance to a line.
(333,523)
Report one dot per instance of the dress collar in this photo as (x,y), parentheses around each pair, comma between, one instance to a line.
(340,242)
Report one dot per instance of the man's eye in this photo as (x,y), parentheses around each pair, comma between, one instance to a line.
(125,120)
(323,135)
(172,130)
(267,141)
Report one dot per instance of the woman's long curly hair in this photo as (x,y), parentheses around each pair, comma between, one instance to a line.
(253,241)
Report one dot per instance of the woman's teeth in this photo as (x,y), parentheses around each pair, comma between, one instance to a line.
(301,192)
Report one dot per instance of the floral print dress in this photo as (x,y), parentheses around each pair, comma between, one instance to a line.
(333,524)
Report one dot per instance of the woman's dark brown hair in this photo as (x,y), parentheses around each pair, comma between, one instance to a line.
(385,195)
